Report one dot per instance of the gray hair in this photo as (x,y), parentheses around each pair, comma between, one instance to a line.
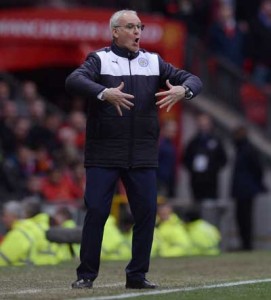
(13,207)
(31,206)
(114,20)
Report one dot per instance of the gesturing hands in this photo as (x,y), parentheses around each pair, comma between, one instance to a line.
(119,99)
(172,96)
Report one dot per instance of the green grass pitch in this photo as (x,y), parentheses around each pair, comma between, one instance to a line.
(242,275)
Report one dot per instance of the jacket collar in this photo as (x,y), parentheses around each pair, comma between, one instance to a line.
(124,52)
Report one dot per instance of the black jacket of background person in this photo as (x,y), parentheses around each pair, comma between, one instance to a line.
(130,140)
(247,177)
(204,157)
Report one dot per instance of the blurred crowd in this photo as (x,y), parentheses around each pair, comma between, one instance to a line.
(41,147)
(27,225)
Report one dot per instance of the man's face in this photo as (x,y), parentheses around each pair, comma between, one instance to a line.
(8,219)
(127,34)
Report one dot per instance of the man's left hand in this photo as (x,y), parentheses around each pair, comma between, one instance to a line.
(172,96)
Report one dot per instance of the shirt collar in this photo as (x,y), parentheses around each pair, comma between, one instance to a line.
(124,52)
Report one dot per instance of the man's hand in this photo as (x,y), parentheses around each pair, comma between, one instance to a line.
(172,96)
(119,99)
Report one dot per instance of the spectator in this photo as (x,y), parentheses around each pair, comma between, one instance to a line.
(205,237)
(58,187)
(47,252)
(33,187)
(114,246)
(166,173)
(246,185)
(45,133)
(261,46)
(21,130)
(78,175)
(8,117)
(171,233)
(43,160)
(77,120)
(17,169)
(23,243)
(204,157)
(226,37)
(37,112)
(69,152)
(29,96)
(63,217)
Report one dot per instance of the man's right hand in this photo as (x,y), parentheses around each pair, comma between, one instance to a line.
(119,99)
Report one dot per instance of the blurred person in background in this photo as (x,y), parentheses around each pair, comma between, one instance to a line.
(5,92)
(21,130)
(205,237)
(48,252)
(24,241)
(121,84)
(45,133)
(170,233)
(17,168)
(8,117)
(77,120)
(227,39)
(114,246)
(260,46)
(204,158)
(247,183)
(58,187)
(167,158)
(29,96)
(63,217)
(33,187)
(37,112)
(68,151)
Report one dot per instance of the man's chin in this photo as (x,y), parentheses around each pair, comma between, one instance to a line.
(134,48)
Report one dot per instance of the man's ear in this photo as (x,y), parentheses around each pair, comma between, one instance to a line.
(115,33)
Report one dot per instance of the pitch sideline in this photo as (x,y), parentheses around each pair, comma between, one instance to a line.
(185,289)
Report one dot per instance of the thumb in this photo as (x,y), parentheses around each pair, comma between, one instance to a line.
(168,84)
(121,86)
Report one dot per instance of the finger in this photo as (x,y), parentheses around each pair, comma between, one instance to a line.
(164,104)
(119,110)
(162,94)
(129,96)
(170,86)
(129,103)
(162,101)
(121,86)
(125,106)
(170,106)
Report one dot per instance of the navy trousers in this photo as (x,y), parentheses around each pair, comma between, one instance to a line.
(141,189)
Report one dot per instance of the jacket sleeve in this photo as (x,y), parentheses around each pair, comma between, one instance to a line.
(178,77)
(10,254)
(83,81)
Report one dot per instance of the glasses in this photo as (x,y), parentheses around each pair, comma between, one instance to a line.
(131,26)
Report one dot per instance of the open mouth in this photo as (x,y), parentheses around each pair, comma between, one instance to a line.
(137,40)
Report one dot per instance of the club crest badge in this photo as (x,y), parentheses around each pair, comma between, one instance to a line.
(143,62)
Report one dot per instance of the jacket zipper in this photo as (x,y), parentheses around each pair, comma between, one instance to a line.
(131,121)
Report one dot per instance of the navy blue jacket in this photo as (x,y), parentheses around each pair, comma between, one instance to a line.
(130,140)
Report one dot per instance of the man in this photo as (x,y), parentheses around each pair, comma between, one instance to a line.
(246,184)
(26,234)
(121,84)
(204,157)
